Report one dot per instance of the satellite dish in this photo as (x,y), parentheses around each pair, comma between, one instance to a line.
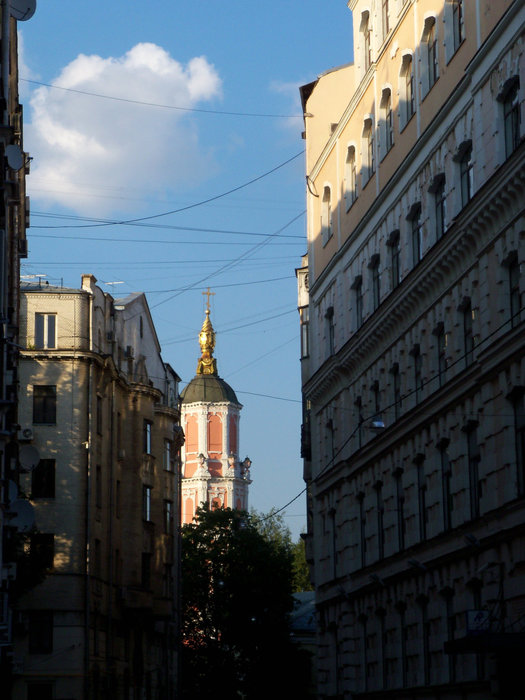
(15,157)
(21,515)
(23,9)
(28,457)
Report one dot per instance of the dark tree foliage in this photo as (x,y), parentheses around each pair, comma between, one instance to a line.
(236,598)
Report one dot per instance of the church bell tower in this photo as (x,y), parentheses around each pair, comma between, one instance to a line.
(210,415)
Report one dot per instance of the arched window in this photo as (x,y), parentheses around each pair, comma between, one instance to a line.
(406,91)
(429,54)
(326,215)
(368,150)
(366,38)
(387,122)
(350,177)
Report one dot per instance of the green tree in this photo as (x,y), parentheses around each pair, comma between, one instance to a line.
(301,571)
(236,599)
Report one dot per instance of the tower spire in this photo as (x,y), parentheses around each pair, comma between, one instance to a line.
(207,364)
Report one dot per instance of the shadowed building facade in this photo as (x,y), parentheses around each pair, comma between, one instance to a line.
(101,408)
(413,371)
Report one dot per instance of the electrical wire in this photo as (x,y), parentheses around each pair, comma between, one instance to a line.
(188,206)
(87,93)
(169,227)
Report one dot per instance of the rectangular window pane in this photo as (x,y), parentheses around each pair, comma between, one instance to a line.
(43,479)
(44,404)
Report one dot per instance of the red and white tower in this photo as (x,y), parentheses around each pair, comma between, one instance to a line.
(210,414)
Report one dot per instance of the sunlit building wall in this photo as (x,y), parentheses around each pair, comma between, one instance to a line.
(411,310)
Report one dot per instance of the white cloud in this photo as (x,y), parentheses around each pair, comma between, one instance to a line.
(291,91)
(89,152)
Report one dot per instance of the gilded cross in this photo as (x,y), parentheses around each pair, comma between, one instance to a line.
(208,294)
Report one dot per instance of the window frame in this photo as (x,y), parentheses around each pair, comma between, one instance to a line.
(44,404)
(45,330)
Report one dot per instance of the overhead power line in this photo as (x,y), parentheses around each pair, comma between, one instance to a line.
(188,206)
(129,100)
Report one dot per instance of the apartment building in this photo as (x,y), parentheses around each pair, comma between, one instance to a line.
(14,219)
(412,335)
(97,608)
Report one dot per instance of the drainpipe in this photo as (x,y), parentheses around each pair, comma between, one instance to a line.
(6,14)
(87,590)
(109,629)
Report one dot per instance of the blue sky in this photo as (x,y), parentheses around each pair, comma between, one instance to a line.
(204,100)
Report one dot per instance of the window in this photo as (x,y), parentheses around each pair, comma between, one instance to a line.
(44,404)
(167,581)
(42,550)
(458,23)
(330,331)
(39,690)
(518,405)
(350,177)
(464,158)
(441,350)
(407,90)
(401,608)
(376,401)
(146,503)
(430,72)
(514,288)
(118,499)
(448,594)
(426,635)
(416,232)
(146,434)
(145,570)
(358,300)
(326,216)
(437,189)
(99,415)
(168,517)
(43,479)
(40,632)
(98,486)
(97,559)
(358,403)
(418,366)
(393,244)
(375,273)
(45,331)
(386,23)
(366,34)
(468,316)
(400,508)
(368,150)
(511,115)
(362,527)
(168,457)
(387,121)
(419,461)
(304,316)
(380,512)
(446,477)
(396,390)
(473,458)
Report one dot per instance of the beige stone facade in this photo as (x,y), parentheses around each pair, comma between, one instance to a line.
(413,371)
(101,408)
(14,219)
